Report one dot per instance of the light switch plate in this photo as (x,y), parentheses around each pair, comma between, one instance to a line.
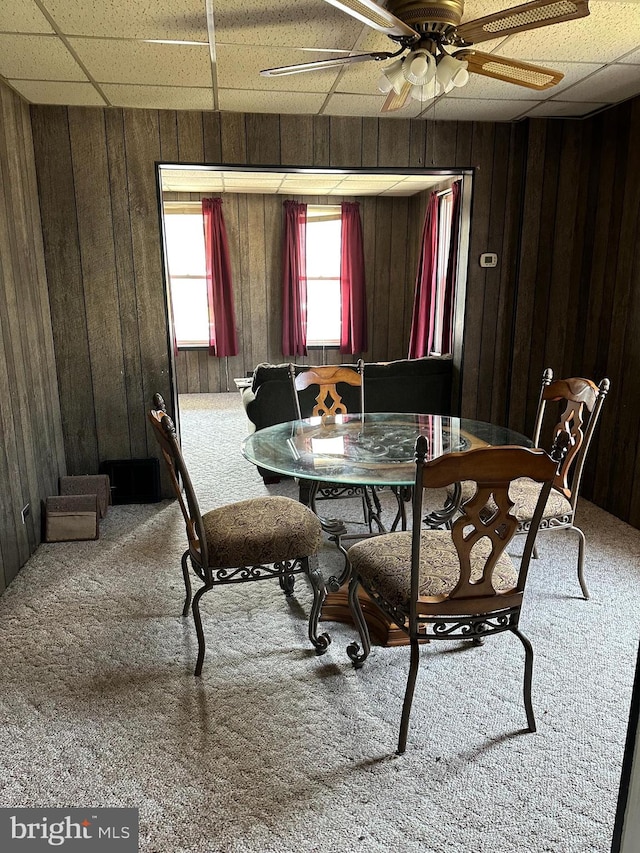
(488,259)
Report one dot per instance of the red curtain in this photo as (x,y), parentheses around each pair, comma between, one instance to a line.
(294,279)
(425,294)
(452,267)
(222,319)
(353,335)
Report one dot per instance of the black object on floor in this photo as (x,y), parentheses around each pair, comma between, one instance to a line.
(133,481)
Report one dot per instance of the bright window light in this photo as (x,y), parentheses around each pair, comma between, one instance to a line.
(324,233)
(184,235)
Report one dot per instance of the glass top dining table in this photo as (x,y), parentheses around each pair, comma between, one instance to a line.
(372,449)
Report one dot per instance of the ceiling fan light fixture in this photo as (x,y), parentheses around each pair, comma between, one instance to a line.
(394,76)
(451,72)
(424,93)
(419,67)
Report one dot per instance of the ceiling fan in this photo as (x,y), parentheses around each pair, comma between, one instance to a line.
(433,55)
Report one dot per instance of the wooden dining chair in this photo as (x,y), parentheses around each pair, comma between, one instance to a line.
(251,540)
(457,583)
(580,403)
(320,391)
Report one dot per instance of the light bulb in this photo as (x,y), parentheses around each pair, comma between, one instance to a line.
(462,77)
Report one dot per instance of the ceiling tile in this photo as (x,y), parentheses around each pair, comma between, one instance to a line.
(284,23)
(367,105)
(238,68)
(48,92)
(237,174)
(37,58)
(293,182)
(244,181)
(476,109)
(23,17)
(611,30)
(362,79)
(609,85)
(133,19)
(111,61)
(244,101)
(159,97)
(551,109)
(359,178)
(632,58)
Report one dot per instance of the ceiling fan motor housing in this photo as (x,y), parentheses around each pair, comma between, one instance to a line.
(418,12)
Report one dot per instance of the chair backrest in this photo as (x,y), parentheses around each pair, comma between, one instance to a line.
(327,377)
(579,415)
(485,515)
(159,403)
(165,433)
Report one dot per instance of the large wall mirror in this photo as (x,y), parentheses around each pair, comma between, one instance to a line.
(392,206)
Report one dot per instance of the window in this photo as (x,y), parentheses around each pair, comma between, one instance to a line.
(324,232)
(445,222)
(184,240)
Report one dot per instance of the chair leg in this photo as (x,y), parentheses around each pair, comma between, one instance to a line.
(195,607)
(287,583)
(528,675)
(581,544)
(187,582)
(353,649)
(408,695)
(321,642)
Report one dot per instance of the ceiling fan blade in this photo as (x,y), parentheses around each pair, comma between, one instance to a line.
(394,101)
(528,16)
(375,16)
(319,64)
(510,70)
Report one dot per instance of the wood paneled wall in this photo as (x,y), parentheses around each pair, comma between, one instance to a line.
(557,200)
(97,180)
(577,307)
(31,447)
(254,228)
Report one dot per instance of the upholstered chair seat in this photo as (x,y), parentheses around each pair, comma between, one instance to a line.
(524,494)
(384,565)
(260,531)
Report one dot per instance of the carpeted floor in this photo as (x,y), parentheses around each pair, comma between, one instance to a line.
(275,750)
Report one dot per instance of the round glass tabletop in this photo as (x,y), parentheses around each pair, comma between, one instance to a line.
(371,449)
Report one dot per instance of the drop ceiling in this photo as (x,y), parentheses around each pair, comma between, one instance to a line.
(307,182)
(76,52)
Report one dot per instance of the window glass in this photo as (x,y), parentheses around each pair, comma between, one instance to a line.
(184,235)
(324,232)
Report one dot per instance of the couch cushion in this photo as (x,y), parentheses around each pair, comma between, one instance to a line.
(421,385)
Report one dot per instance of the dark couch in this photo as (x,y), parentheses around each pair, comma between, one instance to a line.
(420,385)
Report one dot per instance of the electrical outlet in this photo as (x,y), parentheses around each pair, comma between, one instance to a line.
(25,513)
